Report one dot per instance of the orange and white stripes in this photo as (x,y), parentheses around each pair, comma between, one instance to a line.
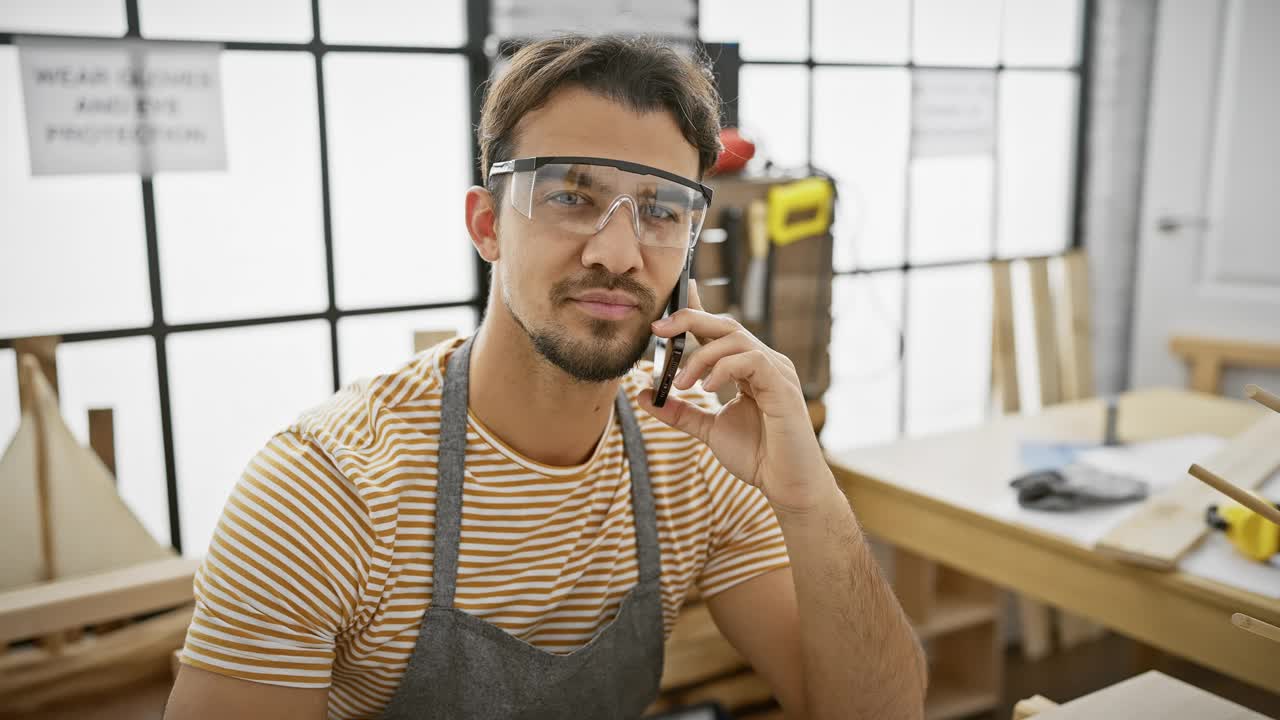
(320,568)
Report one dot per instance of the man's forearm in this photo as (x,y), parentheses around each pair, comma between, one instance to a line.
(861,657)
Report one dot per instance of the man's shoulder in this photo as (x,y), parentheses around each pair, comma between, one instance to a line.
(353,417)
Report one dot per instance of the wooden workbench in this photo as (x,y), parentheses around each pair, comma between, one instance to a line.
(920,495)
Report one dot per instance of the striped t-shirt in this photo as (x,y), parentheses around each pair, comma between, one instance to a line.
(319,570)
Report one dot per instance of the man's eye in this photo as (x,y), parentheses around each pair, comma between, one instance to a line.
(567,199)
(658,212)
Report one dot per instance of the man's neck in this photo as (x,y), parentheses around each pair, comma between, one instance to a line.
(534,407)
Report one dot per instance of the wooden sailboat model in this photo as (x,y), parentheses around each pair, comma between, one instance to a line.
(89,601)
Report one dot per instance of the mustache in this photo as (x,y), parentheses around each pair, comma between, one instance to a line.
(599,279)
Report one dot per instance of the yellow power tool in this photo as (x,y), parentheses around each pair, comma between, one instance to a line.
(1253,535)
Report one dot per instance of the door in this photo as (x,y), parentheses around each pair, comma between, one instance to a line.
(1209,255)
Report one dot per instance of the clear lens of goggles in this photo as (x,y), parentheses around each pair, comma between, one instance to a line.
(582,198)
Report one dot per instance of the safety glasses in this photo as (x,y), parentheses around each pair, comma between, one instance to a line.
(580,195)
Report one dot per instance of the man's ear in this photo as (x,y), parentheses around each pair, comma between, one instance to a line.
(482,222)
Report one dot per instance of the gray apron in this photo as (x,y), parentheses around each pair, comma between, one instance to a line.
(462,667)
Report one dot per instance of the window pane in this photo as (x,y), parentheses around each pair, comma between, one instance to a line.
(231,390)
(121,375)
(280,20)
(369,345)
(399,162)
(1042,32)
(1037,155)
(861,31)
(773,109)
(439,23)
(948,347)
(763,30)
(860,132)
(257,226)
(950,208)
(74,253)
(65,17)
(957,32)
(862,402)
(9,415)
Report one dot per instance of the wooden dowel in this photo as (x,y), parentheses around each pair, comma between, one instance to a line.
(1262,397)
(1240,495)
(1256,626)
(30,367)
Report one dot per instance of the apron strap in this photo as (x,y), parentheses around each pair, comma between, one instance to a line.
(450,466)
(648,555)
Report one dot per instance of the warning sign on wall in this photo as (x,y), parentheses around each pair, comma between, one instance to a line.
(122,106)
(953,112)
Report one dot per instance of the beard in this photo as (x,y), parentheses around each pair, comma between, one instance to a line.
(612,348)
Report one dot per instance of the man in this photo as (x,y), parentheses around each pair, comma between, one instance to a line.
(506,526)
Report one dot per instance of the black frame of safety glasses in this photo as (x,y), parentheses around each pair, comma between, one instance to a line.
(533,163)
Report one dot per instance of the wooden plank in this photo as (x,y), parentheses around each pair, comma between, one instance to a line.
(1229,351)
(1150,696)
(102,437)
(1004,360)
(1206,374)
(1171,523)
(423,339)
(74,602)
(157,636)
(1075,327)
(1074,630)
(1029,707)
(1046,335)
(1035,622)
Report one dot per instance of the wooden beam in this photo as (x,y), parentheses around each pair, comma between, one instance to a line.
(102,437)
(1230,351)
(1262,397)
(1045,332)
(38,610)
(1004,360)
(1075,327)
(423,339)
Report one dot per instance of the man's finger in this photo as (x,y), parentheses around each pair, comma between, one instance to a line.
(698,362)
(704,326)
(695,300)
(683,416)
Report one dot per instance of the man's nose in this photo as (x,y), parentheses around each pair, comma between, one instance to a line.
(615,246)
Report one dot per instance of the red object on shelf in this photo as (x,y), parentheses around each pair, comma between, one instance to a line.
(737,151)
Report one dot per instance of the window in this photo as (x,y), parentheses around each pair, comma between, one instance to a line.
(335,232)
(310,261)
(916,223)
(232,390)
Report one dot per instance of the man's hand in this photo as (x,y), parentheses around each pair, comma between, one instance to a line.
(764,435)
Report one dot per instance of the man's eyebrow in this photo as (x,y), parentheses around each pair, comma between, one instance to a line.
(582,176)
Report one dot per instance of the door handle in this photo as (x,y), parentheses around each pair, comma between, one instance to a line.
(1169,224)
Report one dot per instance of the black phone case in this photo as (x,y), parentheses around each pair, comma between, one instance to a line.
(675,345)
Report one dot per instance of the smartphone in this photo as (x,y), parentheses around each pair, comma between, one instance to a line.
(666,358)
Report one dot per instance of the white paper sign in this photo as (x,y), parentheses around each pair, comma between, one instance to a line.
(122,106)
(953,112)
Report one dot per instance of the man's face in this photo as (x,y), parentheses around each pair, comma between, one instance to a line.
(586,301)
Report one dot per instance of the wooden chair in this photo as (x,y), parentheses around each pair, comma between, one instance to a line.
(1208,357)
(1064,370)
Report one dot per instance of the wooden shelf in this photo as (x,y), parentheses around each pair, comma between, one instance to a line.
(957,613)
(947,701)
